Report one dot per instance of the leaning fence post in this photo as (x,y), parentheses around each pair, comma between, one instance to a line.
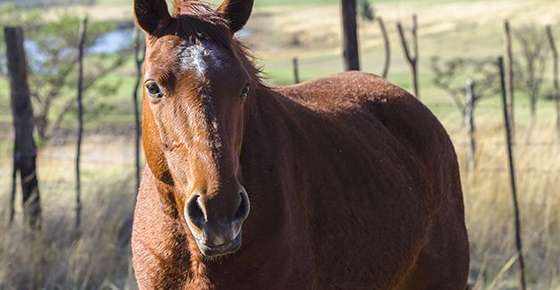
(295,63)
(470,104)
(25,151)
(387,45)
(555,73)
(411,56)
(510,77)
(80,91)
(518,239)
(139,55)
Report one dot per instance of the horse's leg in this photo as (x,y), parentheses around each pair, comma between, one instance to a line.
(443,264)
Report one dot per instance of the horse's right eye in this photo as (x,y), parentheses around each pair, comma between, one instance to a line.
(153,89)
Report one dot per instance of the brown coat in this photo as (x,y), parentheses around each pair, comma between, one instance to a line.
(354,185)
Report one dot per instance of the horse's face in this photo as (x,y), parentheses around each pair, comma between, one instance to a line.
(195,91)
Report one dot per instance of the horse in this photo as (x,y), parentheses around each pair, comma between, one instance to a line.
(346,182)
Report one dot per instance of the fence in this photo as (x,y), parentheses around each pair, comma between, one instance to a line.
(111,155)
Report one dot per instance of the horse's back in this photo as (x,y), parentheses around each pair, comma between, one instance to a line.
(396,172)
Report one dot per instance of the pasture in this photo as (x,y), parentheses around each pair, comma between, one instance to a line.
(309,30)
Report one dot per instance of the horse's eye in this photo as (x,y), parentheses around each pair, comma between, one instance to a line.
(153,89)
(245,92)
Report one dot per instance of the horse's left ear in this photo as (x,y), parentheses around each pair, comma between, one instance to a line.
(236,12)
(151,14)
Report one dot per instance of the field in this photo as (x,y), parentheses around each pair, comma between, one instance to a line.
(310,30)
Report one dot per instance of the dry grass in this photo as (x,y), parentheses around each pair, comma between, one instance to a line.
(489,206)
(99,259)
(60,258)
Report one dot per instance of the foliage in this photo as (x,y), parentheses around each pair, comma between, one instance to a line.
(451,75)
(531,61)
(52,56)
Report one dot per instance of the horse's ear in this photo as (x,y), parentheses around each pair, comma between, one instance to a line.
(151,14)
(236,12)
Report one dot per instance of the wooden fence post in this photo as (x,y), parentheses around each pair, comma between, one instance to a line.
(295,63)
(350,35)
(80,91)
(12,212)
(511,164)
(387,45)
(470,104)
(139,55)
(555,73)
(412,59)
(25,151)
(510,77)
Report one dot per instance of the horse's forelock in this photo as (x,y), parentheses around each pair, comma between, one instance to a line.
(198,20)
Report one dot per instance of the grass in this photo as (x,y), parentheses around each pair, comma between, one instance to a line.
(489,210)
(98,259)
(60,258)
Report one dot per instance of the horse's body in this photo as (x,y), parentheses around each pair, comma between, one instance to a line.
(353,183)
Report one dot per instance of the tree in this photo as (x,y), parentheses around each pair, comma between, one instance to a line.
(450,76)
(532,62)
(52,51)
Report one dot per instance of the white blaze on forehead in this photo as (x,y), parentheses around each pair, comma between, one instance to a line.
(200,56)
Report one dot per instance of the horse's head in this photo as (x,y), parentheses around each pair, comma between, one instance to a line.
(196,86)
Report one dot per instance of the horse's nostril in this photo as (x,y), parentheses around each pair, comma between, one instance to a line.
(194,211)
(244,207)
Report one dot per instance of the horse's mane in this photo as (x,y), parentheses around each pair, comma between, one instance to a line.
(198,20)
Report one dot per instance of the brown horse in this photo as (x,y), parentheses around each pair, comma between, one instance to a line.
(347,182)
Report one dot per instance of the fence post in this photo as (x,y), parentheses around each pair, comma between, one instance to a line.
(387,45)
(350,35)
(412,59)
(139,55)
(510,77)
(470,104)
(555,73)
(295,63)
(80,89)
(518,239)
(25,151)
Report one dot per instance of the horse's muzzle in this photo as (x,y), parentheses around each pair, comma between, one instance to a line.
(216,237)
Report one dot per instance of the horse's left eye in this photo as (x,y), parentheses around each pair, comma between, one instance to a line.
(245,92)
(153,89)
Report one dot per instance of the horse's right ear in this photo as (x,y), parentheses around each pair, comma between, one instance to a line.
(151,14)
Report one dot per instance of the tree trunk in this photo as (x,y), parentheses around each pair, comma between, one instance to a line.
(25,151)
(350,35)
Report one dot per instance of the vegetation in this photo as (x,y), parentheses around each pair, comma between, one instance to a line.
(52,58)
(532,67)
(448,30)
